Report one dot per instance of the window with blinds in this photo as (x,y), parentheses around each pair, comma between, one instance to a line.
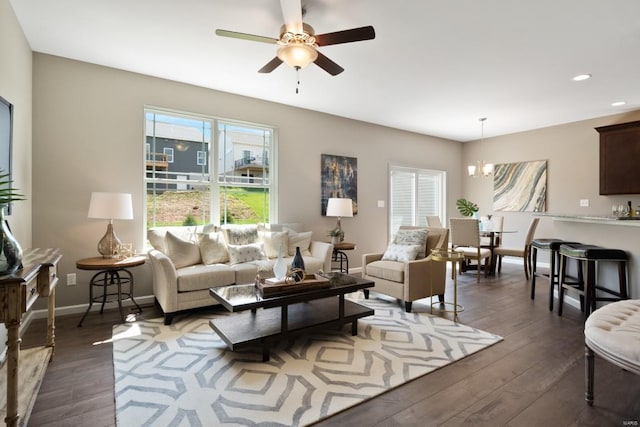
(415,194)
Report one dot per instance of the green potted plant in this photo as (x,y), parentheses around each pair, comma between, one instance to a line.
(10,250)
(335,235)
(466,207)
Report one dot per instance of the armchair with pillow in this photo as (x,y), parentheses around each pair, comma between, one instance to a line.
(405,270)
(187,261)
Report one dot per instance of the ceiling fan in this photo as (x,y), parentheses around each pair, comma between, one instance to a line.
(298,42)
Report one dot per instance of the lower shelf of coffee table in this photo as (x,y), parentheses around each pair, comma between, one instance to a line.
(248,328)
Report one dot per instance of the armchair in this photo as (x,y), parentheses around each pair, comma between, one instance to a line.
(411,280)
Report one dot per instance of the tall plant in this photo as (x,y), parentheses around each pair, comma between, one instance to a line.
(8,194)
(466,207)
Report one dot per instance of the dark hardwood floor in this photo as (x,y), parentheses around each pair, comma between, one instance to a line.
(535,377)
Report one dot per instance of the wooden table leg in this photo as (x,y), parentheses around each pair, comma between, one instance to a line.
(13,357)
(51,321)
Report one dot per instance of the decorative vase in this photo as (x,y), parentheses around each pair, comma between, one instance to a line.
(280,267)
(335,240)
(10,250)
(298,263)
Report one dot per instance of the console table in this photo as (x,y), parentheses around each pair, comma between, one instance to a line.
(18,291)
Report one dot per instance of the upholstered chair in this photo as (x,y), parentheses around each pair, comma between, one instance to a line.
(434,221)
(408,279)
(521,252)
(465,238)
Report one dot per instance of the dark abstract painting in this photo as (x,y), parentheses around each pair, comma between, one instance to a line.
(339,178)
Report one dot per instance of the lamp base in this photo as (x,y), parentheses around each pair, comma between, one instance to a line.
(109,244)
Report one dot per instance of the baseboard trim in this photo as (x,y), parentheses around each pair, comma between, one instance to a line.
(81,308)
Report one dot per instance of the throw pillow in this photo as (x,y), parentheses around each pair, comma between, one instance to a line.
(212,248)
(273,240)
(183,253)
(240,234)
(245,253)
(416,236)
(299,239)
(400,253)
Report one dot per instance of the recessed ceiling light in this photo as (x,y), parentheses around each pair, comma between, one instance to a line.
(618,103)
(581,77)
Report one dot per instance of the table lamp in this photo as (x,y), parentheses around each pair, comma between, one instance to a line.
(110,206)
(340,208)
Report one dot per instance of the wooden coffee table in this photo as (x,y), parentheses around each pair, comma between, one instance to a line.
(261,320)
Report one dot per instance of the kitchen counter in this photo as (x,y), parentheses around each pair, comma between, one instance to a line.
(594,219)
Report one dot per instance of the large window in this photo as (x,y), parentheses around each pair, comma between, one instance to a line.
(415,194)
(185,187)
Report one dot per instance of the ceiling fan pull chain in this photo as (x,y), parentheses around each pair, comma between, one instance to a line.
(297,79)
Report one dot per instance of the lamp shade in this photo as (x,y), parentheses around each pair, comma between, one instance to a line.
(341,208)
(110,206)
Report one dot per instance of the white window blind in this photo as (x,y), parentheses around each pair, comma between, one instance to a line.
(415,194)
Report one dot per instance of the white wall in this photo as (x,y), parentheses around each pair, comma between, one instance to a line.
(572,154)
(15,87)
(88,136)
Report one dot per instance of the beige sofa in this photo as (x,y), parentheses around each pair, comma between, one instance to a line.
(413,279)
(187,261)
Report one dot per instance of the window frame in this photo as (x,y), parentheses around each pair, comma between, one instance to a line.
(211,181)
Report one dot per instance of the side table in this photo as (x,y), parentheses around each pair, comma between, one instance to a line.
(447,255)
(340,256)
(109,275)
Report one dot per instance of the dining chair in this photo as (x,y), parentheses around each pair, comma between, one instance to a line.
(522,252)
(465,239)
(434,221)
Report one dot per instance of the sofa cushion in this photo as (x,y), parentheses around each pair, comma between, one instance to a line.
(388,270)
(156,235)
(303,240)
(199,277)
(245,253)
(182,252)
(213,250)
(240,234)
(401,253)
(273,240)
(413,236)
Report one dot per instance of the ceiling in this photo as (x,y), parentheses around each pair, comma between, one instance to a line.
(435,66)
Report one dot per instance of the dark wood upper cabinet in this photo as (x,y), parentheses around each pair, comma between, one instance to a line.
(620,158)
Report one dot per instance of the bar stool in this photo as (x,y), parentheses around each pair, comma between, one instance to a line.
(552,246)
(587,288)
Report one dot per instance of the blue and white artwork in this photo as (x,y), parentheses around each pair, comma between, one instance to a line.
(520,187)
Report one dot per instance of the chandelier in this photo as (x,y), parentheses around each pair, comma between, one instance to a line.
(481,168)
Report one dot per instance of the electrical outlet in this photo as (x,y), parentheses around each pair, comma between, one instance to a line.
(71,279)
(584,203)
(381,203)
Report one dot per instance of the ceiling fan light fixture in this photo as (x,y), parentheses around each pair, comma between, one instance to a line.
(297,55)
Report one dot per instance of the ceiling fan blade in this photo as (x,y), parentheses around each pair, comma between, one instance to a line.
(346,36)
(292,14)
(251,37)
(328,65)
(271,65)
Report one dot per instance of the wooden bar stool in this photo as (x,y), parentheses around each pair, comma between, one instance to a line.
(591,255)
(552,246)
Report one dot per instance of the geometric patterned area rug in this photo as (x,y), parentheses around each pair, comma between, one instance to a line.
(184,375)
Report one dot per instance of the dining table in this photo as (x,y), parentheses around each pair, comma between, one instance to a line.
(493,235)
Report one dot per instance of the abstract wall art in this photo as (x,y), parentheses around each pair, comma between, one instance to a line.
(338,178)
(520,187)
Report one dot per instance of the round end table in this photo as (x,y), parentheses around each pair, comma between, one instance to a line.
(447,255)
(110,274)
